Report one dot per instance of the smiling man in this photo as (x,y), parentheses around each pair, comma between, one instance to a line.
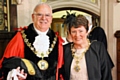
(37,43)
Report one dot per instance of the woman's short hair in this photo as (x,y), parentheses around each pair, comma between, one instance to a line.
(82,21)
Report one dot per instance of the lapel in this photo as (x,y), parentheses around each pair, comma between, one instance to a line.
(92,63)
(68,59)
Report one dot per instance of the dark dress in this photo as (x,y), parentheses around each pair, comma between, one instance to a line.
(97,33)
(50,73)
(98,63)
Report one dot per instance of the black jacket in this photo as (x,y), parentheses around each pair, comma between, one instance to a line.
(98,62)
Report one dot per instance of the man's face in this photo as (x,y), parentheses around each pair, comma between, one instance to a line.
(42,17)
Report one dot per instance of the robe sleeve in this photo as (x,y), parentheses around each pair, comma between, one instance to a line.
(14,48)
(106,64)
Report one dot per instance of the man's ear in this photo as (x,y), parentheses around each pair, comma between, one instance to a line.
(32,17)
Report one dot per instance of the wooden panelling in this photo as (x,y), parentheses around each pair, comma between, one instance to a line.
(5,37)
(117,35)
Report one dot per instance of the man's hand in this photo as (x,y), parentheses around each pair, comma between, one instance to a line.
(16,74)
(21,75)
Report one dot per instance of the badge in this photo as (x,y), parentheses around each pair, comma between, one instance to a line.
(42,64)
(77,68)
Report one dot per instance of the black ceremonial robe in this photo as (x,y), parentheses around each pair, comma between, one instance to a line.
(97,33)
(48,74)
(18,48)
(98,62)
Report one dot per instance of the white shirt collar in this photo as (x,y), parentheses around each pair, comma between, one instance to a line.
(90,27)
(39,32)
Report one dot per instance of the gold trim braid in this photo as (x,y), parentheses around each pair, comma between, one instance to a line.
(29,66)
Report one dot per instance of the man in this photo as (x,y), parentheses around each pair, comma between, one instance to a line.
(96,32)
(39,44)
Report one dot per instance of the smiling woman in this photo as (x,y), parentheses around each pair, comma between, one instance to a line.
(82,52)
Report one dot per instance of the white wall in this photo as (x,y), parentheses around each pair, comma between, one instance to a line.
(24,12)
(116,19)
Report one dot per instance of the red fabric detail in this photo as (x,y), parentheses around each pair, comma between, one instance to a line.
(61,77)
(14,48)
(60,54)
(21,28)
(1,78)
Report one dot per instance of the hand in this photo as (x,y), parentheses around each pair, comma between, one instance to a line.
(16,74)
(21,75)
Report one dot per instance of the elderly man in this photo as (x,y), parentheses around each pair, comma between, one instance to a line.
(37,44)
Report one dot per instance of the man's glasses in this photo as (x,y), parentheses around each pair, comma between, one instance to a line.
(41,15)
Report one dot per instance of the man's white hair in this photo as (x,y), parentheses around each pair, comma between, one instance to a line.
(42,4)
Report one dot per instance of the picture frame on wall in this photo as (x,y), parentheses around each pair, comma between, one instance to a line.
(1,15)
(4,15)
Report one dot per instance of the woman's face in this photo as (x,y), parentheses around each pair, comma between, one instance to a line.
(79,35)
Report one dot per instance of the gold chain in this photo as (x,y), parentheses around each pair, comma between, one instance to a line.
(78,58)
(33,49)
(42,64)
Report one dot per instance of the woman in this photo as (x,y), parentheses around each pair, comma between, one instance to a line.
(85,59)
